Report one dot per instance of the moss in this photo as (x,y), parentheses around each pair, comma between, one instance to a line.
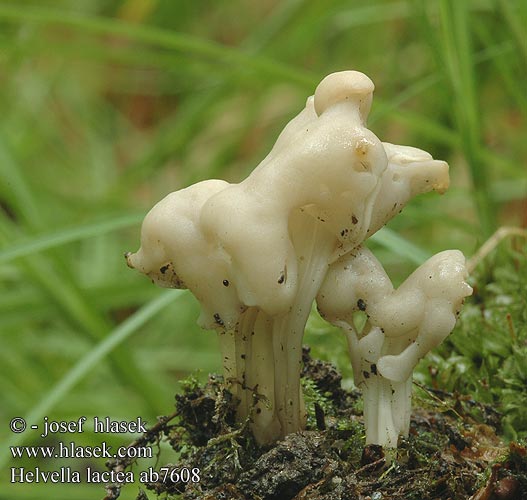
(485,359)
(472,397)
(445,455)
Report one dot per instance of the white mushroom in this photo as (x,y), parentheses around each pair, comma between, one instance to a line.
(403,325)
(255,254)
(281,227)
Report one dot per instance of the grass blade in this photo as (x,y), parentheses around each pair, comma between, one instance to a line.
(88,363)
(400,246)
(46,241)
(181,42)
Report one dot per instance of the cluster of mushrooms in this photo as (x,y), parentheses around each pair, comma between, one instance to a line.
(258,253)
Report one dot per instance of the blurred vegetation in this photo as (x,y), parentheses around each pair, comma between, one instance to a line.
(106,106)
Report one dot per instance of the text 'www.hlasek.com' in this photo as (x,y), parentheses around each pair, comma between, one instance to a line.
(56,448)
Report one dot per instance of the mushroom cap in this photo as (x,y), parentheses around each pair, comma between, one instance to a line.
(325,164)
(239,245)
(352,86)
(176,253)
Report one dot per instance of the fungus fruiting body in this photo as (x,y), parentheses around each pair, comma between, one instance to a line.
(402,325)
(256,254)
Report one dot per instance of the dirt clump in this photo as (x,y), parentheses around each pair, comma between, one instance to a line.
(449,454)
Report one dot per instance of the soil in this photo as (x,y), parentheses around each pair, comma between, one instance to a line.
(453,450)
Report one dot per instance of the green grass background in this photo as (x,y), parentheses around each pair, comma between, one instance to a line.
(106,106)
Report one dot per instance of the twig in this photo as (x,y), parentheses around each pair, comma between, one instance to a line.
(371,466)
(438,399)
(492,243)
(113,491)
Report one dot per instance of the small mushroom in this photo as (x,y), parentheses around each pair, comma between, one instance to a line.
(403,325)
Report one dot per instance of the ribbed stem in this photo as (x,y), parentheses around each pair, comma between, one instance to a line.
(264,354)
(314,246)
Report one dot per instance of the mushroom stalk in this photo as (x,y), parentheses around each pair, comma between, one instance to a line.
(387,403)
(270,370)
(314,245)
